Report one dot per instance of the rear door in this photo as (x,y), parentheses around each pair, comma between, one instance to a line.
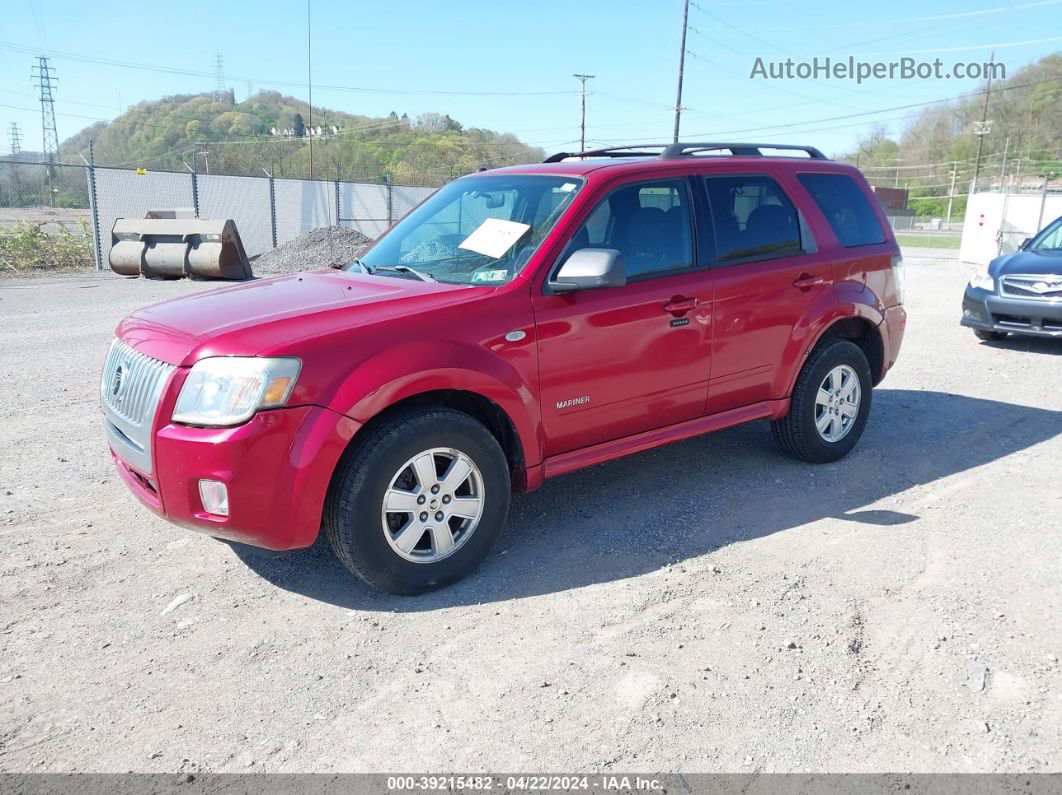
(618,361)
(767,275)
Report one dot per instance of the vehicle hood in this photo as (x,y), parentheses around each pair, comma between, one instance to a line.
(1026,262)
(250,318)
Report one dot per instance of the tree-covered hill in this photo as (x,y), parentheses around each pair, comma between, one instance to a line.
(228,137)
(1022,149)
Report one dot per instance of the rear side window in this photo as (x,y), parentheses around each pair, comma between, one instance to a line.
(846,207)
(752,218)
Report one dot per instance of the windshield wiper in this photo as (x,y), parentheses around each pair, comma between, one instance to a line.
(362,266)
(424,277)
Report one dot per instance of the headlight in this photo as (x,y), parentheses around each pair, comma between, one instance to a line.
(983,281)
(228,390)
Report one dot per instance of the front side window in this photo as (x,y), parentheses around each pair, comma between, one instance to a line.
(475,230)
(648,223)
(752,219)
(846,207)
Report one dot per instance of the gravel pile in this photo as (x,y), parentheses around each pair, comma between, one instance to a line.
(318,248)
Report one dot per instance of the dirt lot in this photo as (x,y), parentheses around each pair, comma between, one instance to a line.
(707,606)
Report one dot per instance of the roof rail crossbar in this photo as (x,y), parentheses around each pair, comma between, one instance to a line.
(753,150)
(612,151)
(671,151)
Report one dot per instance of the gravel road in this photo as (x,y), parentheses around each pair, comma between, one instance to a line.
(708,606)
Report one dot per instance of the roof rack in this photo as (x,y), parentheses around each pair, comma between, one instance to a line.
(676,150)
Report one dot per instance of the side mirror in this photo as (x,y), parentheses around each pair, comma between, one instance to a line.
(589,269)
(1025,244)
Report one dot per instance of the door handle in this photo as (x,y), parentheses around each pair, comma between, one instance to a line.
(678,305)
(806,281)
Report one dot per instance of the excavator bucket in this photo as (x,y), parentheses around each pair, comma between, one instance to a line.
(167,246)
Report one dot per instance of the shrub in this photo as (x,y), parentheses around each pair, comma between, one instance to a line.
(28,246)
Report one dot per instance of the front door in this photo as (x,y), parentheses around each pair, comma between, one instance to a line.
(617,361)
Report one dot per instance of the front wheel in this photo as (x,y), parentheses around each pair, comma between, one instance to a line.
(417,503)
(990,336)
(829,406)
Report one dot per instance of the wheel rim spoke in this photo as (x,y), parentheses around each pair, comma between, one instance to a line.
(424,469)
(456,475)
(400,501)
(409,536)
(823,397)
(442,539)
(823,422)
(465,507)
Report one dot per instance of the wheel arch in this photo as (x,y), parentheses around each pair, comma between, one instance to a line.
(471,379)
(475,405)
(861,330)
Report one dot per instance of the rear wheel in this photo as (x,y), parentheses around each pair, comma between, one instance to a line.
(419,501)
(990,336)
(829,406)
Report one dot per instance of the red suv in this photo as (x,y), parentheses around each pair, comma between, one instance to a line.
(519,324)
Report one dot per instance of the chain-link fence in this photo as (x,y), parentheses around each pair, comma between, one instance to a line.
(38,198)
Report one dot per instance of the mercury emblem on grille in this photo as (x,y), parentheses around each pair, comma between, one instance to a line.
(116,384)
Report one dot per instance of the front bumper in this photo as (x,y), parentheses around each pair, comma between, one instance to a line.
(989,311)
(277,468)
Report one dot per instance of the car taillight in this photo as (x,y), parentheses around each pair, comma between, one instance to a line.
(898,276)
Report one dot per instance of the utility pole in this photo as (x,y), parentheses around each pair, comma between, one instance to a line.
(219,78)
(309,85)
(1003,167)
(982,129)
(682,68)
(951,195)
(582,109)
(46,80)
(14,136)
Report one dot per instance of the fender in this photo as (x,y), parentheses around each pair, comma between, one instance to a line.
(850,300)
(414,368)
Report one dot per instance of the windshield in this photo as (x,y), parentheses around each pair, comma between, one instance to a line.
(1049,241)
(478,230)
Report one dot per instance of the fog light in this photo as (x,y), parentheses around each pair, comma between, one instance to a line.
(215,497)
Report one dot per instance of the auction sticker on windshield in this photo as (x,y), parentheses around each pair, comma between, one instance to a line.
(494,237)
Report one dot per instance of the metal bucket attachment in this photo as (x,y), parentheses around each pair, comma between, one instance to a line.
(172,247)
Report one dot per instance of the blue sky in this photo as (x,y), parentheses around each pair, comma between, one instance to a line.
(527,52)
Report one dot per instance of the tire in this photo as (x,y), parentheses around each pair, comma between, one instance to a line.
(374,544)
(797,432)
(990,336)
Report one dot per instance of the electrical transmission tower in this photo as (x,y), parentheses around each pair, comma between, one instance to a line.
(45,79)
(14,136)
(219,78)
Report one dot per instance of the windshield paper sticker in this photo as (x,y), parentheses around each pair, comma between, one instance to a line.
(494,237)
(490,276)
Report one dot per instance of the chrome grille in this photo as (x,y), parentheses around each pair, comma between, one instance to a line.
(130,391)
(1034,286)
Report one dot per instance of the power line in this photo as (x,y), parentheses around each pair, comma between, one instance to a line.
(66,55)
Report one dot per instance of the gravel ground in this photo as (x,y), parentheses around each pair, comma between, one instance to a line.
(319,248)
(708,606)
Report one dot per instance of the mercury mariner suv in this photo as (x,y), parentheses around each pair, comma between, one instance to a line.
(519,324)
